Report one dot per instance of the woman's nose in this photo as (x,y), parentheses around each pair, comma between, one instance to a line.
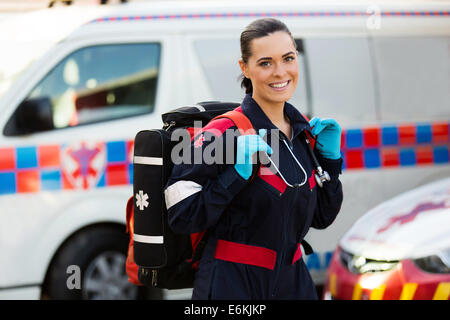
(279,70)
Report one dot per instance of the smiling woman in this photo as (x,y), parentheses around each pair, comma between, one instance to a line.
(269,66)
(274,78)
(256,220)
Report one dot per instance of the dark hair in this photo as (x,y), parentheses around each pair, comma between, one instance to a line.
(258,29)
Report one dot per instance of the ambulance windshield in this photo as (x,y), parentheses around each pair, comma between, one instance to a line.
(23,40)
(16,57)
(25,37)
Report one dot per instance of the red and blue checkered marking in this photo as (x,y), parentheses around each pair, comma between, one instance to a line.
(304,14)
(39,168)
(396,146)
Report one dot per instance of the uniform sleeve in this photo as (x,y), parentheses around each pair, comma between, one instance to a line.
(197,193)
(330,196)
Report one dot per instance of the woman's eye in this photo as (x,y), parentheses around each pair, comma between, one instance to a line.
(265,64)
(290,58)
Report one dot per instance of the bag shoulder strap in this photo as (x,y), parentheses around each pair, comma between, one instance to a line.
(240,120)
(244,126)
(129,215)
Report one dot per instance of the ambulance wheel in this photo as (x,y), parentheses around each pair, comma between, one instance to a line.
(91,265)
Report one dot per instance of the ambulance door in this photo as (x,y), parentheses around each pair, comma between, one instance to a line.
(342,86)
(67,162)
(414,85)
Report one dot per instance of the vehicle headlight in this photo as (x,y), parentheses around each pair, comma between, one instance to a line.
(359,264)
(438,263)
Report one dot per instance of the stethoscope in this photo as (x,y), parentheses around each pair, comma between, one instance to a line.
(320,176)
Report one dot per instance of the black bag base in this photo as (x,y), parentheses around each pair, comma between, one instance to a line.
(180,276)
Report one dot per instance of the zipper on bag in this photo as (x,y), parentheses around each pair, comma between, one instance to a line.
(154,278)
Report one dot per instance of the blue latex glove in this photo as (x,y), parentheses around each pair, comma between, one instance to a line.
(328,137)
(247,145)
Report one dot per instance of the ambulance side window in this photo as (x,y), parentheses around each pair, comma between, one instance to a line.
(414,77)
(219,60)
(101,83)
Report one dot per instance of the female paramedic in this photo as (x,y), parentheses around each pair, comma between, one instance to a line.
(256,222)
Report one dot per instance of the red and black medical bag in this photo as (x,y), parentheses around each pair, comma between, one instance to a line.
(158,257)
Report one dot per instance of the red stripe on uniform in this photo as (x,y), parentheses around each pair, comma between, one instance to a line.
(312,180)
(298,254)
(272,179)
(246,254)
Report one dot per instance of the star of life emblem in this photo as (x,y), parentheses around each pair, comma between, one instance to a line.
(84,163)
(141,200)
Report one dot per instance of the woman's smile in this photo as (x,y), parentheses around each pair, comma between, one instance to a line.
(280,85)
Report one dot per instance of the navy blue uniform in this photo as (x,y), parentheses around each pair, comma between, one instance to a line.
(263,219)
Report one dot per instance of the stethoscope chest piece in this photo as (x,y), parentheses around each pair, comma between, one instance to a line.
(321,176)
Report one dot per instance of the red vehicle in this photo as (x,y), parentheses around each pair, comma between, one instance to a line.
(400,250)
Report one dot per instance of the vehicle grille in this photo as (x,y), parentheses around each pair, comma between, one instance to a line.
(359,264)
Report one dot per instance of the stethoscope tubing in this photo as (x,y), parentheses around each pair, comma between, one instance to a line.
(321,175)
(295,185)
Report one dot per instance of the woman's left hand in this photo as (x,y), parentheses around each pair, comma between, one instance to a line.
(328,135)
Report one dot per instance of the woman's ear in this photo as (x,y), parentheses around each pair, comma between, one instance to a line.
(243,66)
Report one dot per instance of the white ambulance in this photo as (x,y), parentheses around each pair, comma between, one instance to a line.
(77,84)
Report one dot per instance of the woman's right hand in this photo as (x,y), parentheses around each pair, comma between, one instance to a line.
(247,145)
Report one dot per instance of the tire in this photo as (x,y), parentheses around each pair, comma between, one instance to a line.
(98,254)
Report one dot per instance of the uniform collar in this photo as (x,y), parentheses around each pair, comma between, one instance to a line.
(259,119)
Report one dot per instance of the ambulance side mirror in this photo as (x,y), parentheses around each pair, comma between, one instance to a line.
(32,115)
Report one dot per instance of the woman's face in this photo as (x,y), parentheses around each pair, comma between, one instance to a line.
(272,68)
